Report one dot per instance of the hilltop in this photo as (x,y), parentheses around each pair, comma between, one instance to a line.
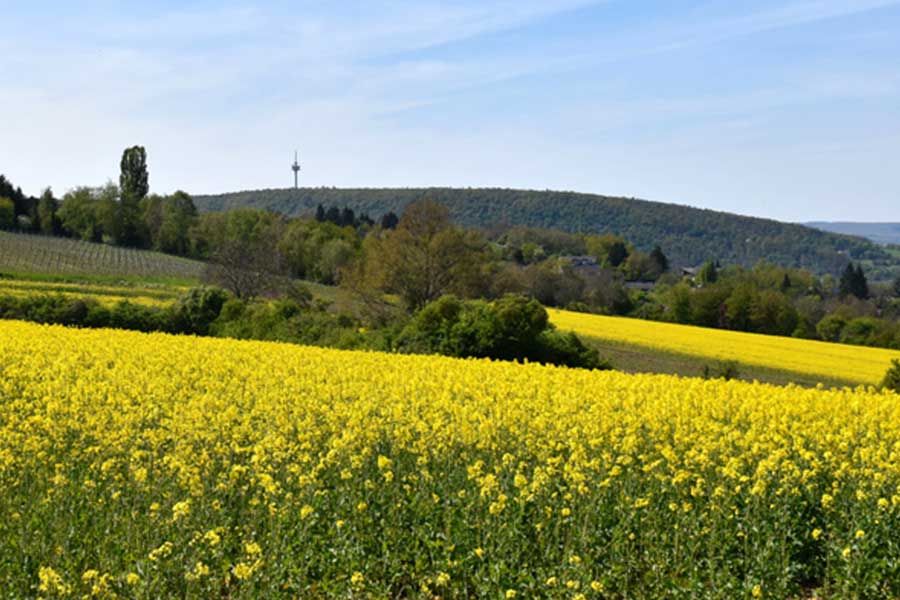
(882,233)
(688,235)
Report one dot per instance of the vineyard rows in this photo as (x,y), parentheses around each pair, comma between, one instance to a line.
(40,254)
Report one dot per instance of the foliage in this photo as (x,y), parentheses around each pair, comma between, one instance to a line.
(688,235)
(244,257)
(160,466)
(423,258)
(853,282)
(724,369)
(891,379)
(510,328)
(198,308)
(7,214)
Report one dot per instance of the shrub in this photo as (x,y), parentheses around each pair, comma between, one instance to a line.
(892,377)
(830,328)
(725,369)
(511,328)
(198,308)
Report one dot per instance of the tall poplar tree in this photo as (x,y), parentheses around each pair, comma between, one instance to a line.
(133,187)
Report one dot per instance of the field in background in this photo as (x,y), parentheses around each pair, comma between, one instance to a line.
(824,360)
(199,467)
(147,294)
(62,257)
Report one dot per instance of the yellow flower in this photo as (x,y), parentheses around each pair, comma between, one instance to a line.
(816,533)
(846,552)
(181,510)
(357,580)
(51,582)
(597,586)
(860,534)
(132,579)
(242,571)
(510,594)
(551,581)
(162,552)
(362,506)
(305,511)
(479,552)
(212,537)
(89,575)
(252,549)
(442,578)
(757,591)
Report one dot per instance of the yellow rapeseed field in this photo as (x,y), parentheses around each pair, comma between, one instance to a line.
(148,466)
(810,357)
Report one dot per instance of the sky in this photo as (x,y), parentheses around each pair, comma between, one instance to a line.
(788,110)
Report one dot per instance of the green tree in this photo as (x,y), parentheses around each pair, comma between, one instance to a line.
(708,273)
(853,282)
(134,186)
(618,252)
(46,211)
(425,257)
(661,260)
(79,215)
(831,327)
(7,214)
(178,214)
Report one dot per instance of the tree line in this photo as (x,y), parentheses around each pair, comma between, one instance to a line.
(688,235)
(400,264)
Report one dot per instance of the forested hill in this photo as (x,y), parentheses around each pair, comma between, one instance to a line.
(688,235)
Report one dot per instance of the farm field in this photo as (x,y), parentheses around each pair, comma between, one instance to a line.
(857,364)
(60,257)
(148,465)
(147,294)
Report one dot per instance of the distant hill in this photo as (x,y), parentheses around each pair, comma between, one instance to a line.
(881,233)
(688,235)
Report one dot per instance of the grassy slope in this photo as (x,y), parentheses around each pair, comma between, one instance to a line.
(633,358)
(59,259)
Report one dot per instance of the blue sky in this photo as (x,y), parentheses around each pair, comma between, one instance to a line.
(787,109)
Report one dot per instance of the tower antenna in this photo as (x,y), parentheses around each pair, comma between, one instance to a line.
(295,168)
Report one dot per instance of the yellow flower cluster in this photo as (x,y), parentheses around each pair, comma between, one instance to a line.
(809,357)
(158,466)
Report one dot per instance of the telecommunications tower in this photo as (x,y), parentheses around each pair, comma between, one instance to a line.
(295,168)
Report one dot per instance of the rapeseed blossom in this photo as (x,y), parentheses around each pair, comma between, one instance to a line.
(160,466)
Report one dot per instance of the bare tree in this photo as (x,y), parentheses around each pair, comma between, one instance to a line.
(247,265)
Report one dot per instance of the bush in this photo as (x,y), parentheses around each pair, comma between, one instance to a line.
(198,308)
(726,369)
(892,377)
(511,328)
(830,328)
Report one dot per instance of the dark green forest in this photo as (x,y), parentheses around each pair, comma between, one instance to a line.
(689,235)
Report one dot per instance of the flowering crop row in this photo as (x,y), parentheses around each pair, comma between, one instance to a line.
(156,466)
(809,357)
